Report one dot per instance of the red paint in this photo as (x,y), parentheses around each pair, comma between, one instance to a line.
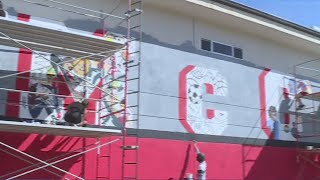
(159,159)
(210,113)
(285,93)
(263,103)
(183,97)
(24,17)
(24,64)
(99,32)
(209,88)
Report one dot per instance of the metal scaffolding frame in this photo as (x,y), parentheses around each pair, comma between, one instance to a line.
(307,118)
(95,48)
(130,145)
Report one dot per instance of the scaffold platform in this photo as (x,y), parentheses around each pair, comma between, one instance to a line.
(313,96)
(90,132)
(57,39)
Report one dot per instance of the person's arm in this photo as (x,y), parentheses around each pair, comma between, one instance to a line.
(196,147)
(85,115)
(83,118)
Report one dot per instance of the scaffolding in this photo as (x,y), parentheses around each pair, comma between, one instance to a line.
(306,128)
(61,49)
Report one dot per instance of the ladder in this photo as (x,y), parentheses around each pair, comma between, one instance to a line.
(130,141)
(103,153)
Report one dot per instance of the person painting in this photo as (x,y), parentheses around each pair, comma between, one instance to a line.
(303,89)
(76,113)
(201,173)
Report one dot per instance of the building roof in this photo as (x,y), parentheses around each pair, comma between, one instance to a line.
(265,15)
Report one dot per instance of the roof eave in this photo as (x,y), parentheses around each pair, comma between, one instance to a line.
(267,16)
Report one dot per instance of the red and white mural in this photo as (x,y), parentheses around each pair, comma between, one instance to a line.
(194,83)
(56,81)
(279,116)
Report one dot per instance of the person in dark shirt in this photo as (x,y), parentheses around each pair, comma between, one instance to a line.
(76,113)
(2,13)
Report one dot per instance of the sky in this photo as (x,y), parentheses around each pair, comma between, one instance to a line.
(302,12)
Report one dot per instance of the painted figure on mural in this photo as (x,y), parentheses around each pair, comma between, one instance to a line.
(295,89)
(77,78)
(81,67)
(114,78)
(67,67)
(297,127)
(43,100)
(96,73)
(273,122)
(285,112)
(303,89)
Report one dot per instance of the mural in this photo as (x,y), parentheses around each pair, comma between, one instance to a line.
(282,116)
(57,81)
(194,83)
(200,98)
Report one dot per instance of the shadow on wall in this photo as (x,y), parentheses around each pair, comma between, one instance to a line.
(166,159)
(187,46)
(44,147)
(12,11)
(275,163)
(186,162)
(84,25)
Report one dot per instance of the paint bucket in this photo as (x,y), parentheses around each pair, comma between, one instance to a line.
(309,147)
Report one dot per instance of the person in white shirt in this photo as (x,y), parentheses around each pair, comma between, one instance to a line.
(202,169)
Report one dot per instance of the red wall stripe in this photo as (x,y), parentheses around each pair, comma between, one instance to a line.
(183,97)
(162,159)
(263,103)
(24,64)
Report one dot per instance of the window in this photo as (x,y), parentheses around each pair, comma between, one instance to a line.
(205,44)
(237,53)
(220,48)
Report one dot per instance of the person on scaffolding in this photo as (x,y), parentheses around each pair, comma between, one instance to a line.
(303,89)
(201,173)
(2,12)
(76,113)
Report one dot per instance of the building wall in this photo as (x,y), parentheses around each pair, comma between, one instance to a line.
(72,80)
(158,159)
(186,94)
(176,28)
(180,92)
(204,95)
(184,31)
